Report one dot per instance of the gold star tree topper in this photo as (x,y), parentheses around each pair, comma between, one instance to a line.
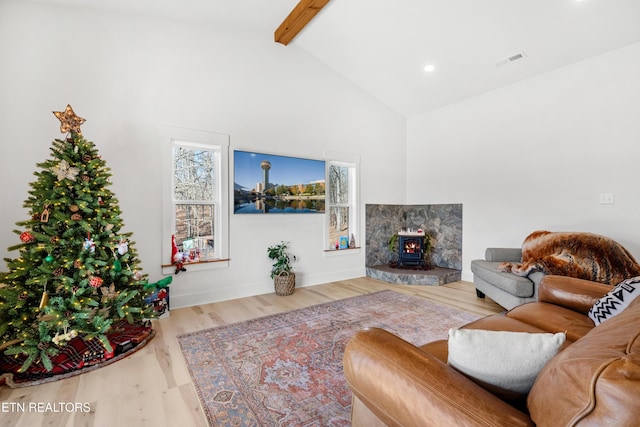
(69,121)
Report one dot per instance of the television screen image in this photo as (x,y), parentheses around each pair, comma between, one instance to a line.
(267,183)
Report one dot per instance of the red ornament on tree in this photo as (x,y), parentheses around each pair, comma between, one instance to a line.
(26,237)
(95,282)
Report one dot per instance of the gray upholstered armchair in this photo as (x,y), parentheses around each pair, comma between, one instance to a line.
(506,289)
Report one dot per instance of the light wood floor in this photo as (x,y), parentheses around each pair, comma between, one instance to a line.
(152,386)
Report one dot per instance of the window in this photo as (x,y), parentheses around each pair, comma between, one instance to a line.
(341,209)
(196,196)
(194,199)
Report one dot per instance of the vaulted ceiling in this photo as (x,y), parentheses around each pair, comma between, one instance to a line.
(384,45)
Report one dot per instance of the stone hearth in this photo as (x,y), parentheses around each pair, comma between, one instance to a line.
(435,277)
(443,223)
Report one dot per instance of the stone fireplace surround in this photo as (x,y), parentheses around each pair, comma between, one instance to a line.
(443,222)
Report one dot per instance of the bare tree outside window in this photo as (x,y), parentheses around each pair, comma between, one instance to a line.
(339,207)
(194,200)
(193,173)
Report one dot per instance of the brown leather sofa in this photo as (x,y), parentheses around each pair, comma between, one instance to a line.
(594,380)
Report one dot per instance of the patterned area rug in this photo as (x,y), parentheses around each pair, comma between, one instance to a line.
(286,369)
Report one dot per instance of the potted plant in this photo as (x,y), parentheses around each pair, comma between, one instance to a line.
(284,279)
(393,250)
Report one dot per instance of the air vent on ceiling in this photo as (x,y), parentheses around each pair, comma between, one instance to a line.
(509,59)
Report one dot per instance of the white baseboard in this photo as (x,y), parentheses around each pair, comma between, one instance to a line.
(259,288)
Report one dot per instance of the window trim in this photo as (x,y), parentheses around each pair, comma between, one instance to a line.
(352,162)
(219,143)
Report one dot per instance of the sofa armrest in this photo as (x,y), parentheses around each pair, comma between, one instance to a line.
(406,386)
(503,254)
(576,294)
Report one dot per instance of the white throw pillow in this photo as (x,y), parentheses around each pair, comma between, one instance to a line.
(615,301)
(507,360)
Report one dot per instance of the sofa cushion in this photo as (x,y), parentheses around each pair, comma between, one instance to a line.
(615,301)
(502,322)
(569,292)
(515,285)
(504,359)
(503,254)
(596,380)
(553,318)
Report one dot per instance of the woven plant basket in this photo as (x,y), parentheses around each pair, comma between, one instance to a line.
(285,283)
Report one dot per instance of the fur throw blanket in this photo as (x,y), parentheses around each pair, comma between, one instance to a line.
(582,255)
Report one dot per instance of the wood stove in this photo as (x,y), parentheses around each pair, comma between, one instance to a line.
(411,249)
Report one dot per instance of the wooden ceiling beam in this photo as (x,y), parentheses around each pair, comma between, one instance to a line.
(299,17)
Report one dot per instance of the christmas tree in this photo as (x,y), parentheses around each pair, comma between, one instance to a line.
(76,272)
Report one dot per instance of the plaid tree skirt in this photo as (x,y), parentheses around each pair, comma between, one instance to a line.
(77,356)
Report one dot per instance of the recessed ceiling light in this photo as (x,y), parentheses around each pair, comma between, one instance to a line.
(429,68)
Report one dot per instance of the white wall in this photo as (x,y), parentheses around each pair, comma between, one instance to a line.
(536,155)
(130,76)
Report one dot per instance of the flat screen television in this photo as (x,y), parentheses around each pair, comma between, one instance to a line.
(268,183)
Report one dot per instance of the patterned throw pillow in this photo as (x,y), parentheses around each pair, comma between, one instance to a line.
(615,301)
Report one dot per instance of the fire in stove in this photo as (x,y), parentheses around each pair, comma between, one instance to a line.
(411,247)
